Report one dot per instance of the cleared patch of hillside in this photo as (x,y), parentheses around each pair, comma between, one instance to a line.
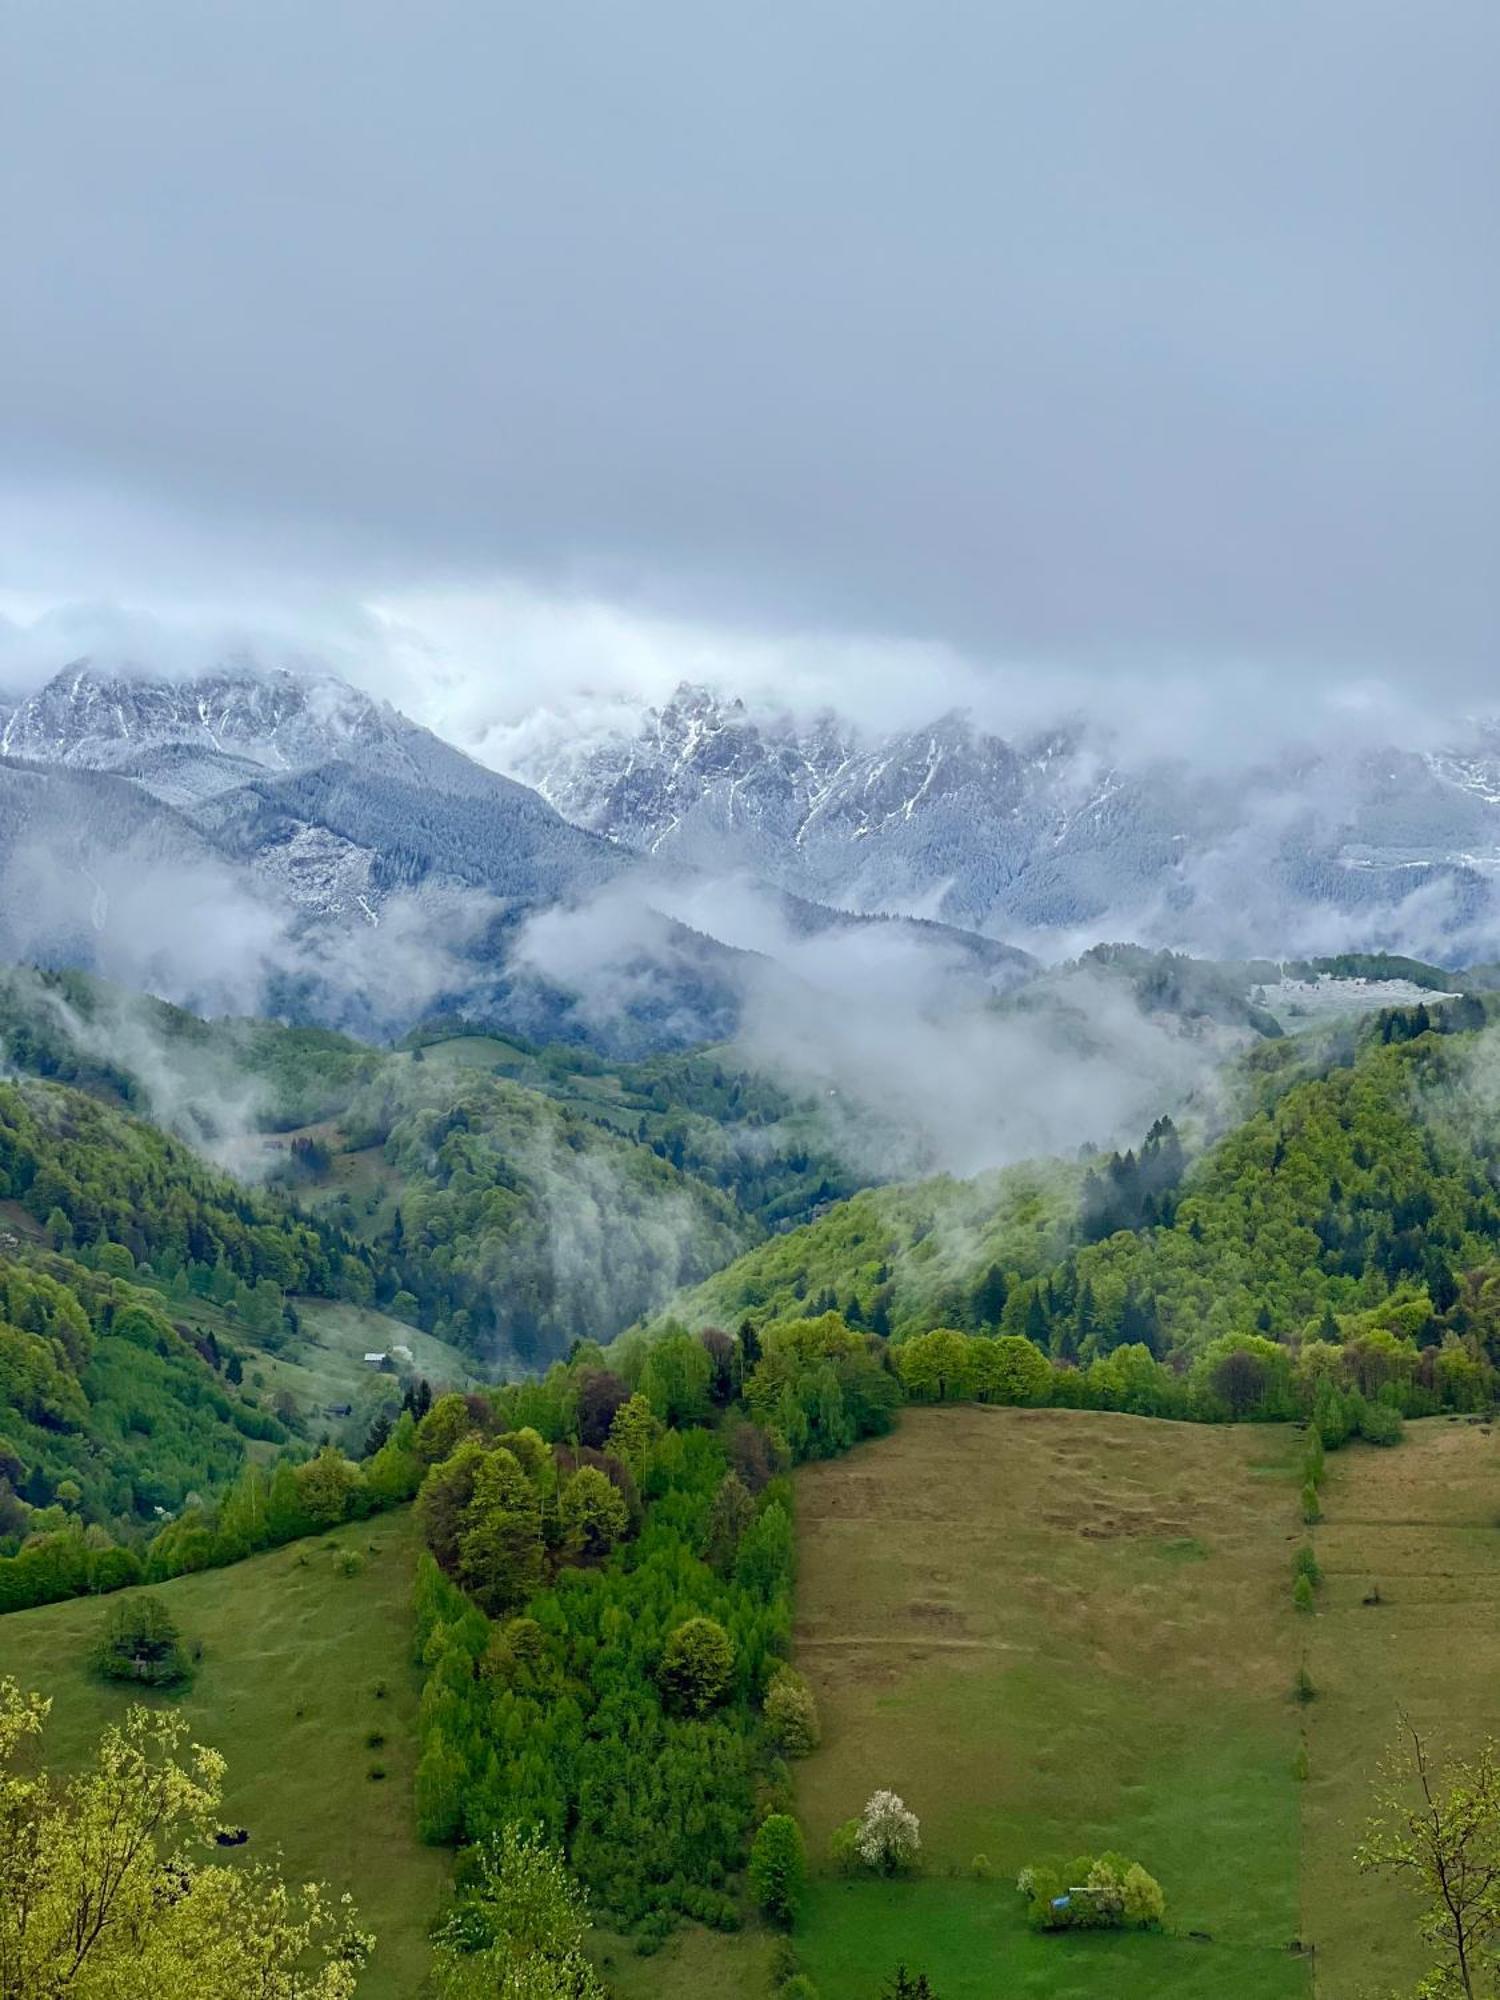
(1422,1525)
(294,1652)
(694,1964)
(1051,1632)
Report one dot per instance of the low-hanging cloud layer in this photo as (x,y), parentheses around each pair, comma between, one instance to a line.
(914,1066)
(1054,359)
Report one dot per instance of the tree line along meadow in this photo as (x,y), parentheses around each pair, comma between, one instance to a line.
(605,1620)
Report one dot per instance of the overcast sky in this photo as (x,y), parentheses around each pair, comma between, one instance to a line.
(1107,333)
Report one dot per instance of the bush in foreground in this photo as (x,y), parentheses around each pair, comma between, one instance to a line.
(140,1643)
(1093,1892)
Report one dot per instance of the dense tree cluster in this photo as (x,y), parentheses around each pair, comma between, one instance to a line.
(1359,1387)
(1133,1190)
(617,1706)
(819,1386)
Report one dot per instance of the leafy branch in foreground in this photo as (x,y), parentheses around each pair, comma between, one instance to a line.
(100,1898)
(1440,1827)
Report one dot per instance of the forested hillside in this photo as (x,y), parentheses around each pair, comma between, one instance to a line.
(120,1252)
(1351,1216)
(160,1325)
(104,1406)
(507,1197)
(900,1259)
(505,1221)
(90,1175)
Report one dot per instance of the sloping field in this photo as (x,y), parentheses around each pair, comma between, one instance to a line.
(1422,1525)
(294,1653)
(1051,1632)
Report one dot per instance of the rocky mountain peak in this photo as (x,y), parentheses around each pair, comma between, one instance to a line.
(97,719)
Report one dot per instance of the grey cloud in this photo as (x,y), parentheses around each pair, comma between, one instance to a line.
(189,929)
(1060,331)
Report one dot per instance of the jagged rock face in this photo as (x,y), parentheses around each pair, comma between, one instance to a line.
(945,820)
(1051,832)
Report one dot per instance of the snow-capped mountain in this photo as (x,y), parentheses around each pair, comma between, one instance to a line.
(250,825)
(331,800)
(186,739)
(254,837)
(1055,832)
(934,821)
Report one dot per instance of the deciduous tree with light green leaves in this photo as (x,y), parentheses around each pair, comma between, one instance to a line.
(1438,1826)
(791,1713)
(696,1666)
(593,1513)
(518,1932)
(107,1891)
(633,1432)
(778,1868)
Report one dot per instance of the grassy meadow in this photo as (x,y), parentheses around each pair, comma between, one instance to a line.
(1053,1632)
(694,1964)
(1420,1527)
(1050,1631)
(293,1654)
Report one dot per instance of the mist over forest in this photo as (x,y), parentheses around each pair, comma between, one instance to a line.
(749,1001)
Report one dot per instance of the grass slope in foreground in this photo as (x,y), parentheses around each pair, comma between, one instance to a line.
(1422,1524)
(293,1651)
(1054,1632)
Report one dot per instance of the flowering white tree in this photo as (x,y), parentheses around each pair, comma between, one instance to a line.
(889,1837)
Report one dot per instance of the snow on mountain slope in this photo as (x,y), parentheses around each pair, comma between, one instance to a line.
(332,800)
(186,739)
(348,848)
(944,820)
(1052,833)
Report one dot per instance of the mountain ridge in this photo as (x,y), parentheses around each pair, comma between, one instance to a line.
(296,813)
(1056,831)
